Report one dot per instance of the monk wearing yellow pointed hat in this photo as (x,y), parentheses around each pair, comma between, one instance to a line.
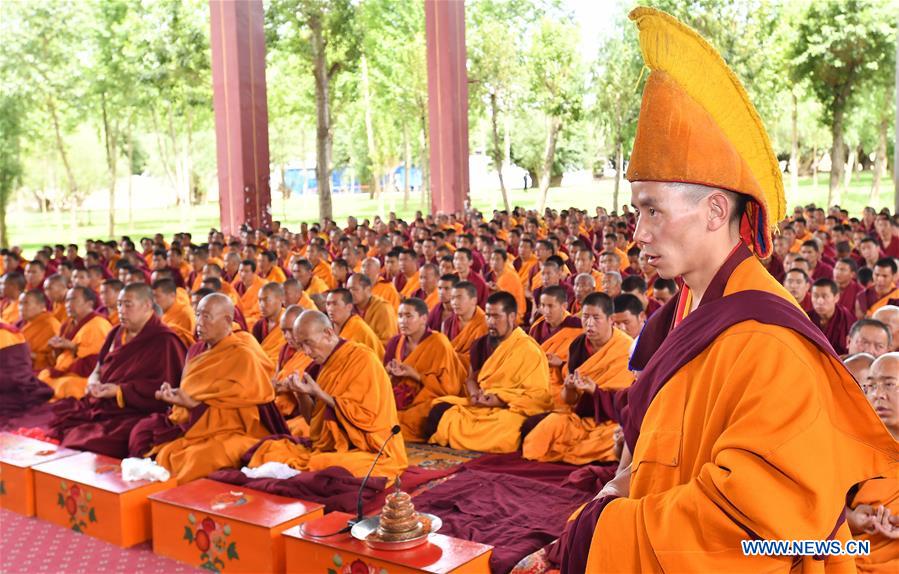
(742,424)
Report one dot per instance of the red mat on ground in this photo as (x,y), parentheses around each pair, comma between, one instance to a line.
(30,545)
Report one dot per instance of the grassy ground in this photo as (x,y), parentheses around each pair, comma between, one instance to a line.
(31,229)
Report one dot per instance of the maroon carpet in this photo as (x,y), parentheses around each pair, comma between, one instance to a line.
(30,545)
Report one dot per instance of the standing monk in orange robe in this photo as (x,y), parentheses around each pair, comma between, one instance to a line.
(468,323)
(77,345)
(267,329)
(422,366)
(354,410)
(247,286)
(377,312)
(223,406)
(554,331)
(291,361)
(873,513)
(177,316)
(509,381)
(349,325)
(743,423)
(38,326)
(597,359)
(137,357)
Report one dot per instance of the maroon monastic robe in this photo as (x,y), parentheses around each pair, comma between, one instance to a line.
(139,367)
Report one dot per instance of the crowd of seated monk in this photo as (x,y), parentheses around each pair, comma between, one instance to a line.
(306,348)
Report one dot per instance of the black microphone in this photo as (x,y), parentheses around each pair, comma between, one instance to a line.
(393,432)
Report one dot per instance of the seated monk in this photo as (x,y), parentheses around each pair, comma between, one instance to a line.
(109,297)
(467,324)
(350,326)
(267,329)
(294,294)
(883,290)
(509,381)
(889,316)
(216,285)
(20,390)
(248,285)
(38,326)
(859,364)
(597,359)
(554,331)
(211,270)
(833,319)
(378,313)
(11,286)
(291,360)
(429,275)
(423,366)
(176,315)
(138,356)
(381,287)
(873,513)
(442,310)
(77,345)
(55,289)
(354,409)
(223,406)
(505,278)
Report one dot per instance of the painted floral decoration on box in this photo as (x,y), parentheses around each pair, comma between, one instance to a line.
(211,539)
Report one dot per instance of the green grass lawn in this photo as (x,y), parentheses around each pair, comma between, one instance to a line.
(31,229)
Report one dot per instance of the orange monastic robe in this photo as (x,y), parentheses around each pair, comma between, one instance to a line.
(386,291)
(316,286)
(232,379)
(471,332)
(357,330)
(884,556)
(9,311)
(381,317)
(323,272)
(249,299)
(350,435)
(37,333)
(788,433)
(293,361)
(557,344)
(275,274)
(433,299)
(68,375)
(412,285)
(524,272)
(893,294)
(180,319)
(228,289)
(441,373)
(59,312)
(508,281)
(518,374)
(272,340)
(570,437)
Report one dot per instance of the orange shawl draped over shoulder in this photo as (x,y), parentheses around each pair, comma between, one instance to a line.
(440,370)
(231,379)
(350,434)
(37,333)
(357,330)
(68,375)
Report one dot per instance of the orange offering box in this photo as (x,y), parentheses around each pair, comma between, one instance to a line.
(86,492)
(310,549)
(225,527)
(18,456)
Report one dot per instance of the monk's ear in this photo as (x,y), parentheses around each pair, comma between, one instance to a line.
(718,208)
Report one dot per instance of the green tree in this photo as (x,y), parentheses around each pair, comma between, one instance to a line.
(12,111)
(840,47)
(325,35)
(556,83)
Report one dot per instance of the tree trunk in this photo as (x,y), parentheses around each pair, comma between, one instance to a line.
(794,148)
(815,168)
(880,159)
(836,156)
(61,148)
(369,131)
(407,164)
(847,174)
(553,127)
(496,150)
(111,163)
(4,239)
(323,120)
(425,159)
(619,164)
(130,174)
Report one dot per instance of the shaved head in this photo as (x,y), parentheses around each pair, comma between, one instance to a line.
(882,390)
(287,321)
(859,364)
(889,316)
(315,335)
(215,313)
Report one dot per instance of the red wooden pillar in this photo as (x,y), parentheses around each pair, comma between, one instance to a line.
(447,104)
(241,113)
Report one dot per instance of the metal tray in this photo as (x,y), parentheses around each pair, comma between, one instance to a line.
(362,529)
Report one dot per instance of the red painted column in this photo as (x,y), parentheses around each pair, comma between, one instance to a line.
(447,104)
(241,113)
